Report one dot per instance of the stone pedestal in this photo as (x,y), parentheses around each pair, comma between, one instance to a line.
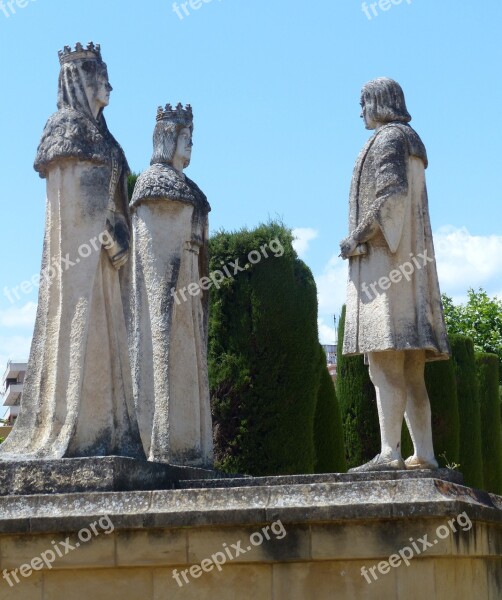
(336,528)
(96,474)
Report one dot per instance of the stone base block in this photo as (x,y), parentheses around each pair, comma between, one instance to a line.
(393,536)
(98,474)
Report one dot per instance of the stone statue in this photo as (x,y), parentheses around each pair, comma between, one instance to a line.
(77,397)
(394,311)
(169,300)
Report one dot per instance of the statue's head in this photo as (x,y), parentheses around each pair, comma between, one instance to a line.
(83,79)
(382,101)
(172,136)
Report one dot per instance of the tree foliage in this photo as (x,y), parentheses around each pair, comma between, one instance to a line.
(441,383)
(357,398)
(470,458)
(264,365)
(328,430)
(488,377)
(480,318)
(441,386)
(131,182)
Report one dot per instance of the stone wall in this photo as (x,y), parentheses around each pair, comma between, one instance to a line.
(318,542)
(320,561)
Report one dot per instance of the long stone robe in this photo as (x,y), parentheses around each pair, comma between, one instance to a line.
(77,396)
(168,334)
(389,212)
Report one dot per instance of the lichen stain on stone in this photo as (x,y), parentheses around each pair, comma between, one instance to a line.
(93,181)
(287,547)
(495,576)
(446,488)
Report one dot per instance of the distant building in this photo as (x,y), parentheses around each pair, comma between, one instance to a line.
(13,381)
(330,350)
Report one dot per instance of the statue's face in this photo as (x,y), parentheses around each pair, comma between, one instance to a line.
(184,146)
(366,112)
(103,87)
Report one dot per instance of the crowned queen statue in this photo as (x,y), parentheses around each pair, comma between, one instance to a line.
(169,309)
(77,396)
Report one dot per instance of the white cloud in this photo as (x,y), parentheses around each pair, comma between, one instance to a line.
(16,346)
(23,316)
(327,333)
(466,260)
(331,290)
(332,286)
(303,237)
(463,261)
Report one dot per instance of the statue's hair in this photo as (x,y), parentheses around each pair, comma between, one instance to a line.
(385,101)
(165,139)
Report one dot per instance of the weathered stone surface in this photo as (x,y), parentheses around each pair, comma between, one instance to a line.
(95,474)
(335,532)
(394,313)
(300,503)
(389,214)
(202,543)
(98,584)
(236,581)
(151,547)
(237,481)
(168,316)
(77,395)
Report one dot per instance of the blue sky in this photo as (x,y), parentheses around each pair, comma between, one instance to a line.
(275,92)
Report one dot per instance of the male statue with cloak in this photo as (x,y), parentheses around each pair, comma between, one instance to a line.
(168,317)
(394,311)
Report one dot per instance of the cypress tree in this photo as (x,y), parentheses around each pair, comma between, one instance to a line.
(263,354)
(470,456)
(131,183)
(357,398)
(441,384)
(487,367)
(442,388)
(328,430)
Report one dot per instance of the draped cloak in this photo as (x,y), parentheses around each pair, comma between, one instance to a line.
(168,330)
(77,396)
(389,212)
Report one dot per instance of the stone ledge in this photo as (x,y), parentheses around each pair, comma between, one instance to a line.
(120,474)
(239,481)
(298,503)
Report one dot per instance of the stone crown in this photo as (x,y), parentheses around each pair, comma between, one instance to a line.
(91,52)
(179,115)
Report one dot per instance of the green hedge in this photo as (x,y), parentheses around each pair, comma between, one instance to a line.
(131,183)
(470,455)
(442,388)
(357,399)
(263,356)
(441,383)
(328,430)
(487,367)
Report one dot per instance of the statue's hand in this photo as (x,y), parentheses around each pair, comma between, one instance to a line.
(120,259)
(347,247)
(118,247)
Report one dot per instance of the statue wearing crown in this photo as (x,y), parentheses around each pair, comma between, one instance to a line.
(77,397)
(168,316)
